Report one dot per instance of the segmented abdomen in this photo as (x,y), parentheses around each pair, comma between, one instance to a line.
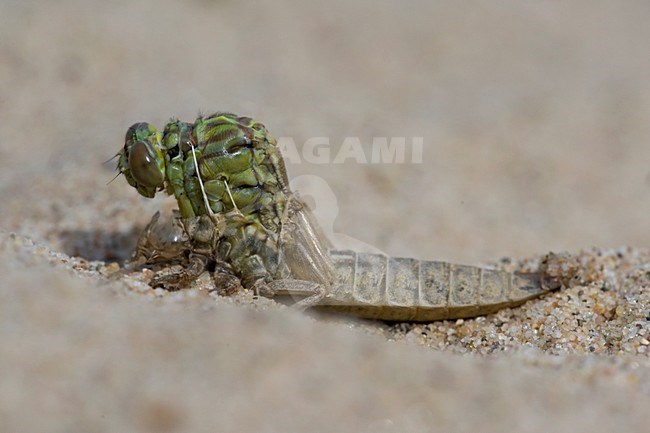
(381,287)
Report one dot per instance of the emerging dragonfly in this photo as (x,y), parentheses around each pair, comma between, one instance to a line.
(238,219)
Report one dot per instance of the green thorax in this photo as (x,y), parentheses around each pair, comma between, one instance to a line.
(231,150)
(235,155)
(239,165)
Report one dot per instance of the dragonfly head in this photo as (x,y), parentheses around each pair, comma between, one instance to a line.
(142,161)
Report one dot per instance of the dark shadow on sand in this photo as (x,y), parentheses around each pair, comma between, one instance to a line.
(98,245)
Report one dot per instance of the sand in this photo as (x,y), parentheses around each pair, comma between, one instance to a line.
(535,136)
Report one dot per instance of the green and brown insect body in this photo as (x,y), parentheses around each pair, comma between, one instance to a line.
(361,284)
(255,228)
(181,181)
(228,149)
(240,162)
(292,261)
(237,151)
(237,161)
(191,243)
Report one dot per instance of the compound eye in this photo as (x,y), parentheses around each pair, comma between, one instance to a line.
(143,166)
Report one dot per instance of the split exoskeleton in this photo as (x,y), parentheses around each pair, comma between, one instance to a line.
(238,219)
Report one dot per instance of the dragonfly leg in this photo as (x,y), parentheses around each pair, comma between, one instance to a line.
(225,281)
(311,292)
(256,277)
(178,277)
(169,278)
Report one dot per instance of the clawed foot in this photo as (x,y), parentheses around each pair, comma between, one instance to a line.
(177,277)
(171,278)
(310,293)
(226,284)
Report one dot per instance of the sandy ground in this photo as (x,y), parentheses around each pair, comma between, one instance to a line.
(534,121)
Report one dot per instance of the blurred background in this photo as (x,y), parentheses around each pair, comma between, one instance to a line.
(535,116)
(535,121)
